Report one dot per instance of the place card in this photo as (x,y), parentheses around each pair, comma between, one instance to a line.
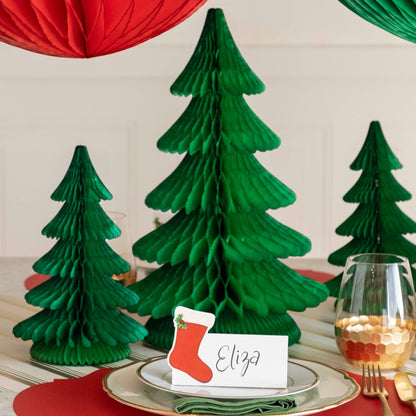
(232,360)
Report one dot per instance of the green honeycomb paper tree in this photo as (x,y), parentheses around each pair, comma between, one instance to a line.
(377,225)
(80,323)
(219,251)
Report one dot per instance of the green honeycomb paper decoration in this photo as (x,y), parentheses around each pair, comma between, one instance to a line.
(377,225)
(219,251)
(395,16)
(80,323)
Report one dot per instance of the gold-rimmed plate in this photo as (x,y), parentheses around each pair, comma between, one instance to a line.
(157,373)
(334,389)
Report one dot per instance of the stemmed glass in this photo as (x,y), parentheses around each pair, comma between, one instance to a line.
(375,314)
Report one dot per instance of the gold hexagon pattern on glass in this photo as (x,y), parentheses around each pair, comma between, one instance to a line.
(375,339)
(375,316)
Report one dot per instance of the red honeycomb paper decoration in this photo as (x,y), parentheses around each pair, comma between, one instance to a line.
(88,28)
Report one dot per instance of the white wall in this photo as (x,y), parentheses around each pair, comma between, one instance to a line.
(328,74)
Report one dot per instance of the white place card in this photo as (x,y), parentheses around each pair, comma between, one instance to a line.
(232,360)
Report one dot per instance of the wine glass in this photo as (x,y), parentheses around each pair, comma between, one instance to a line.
(123,247)
(375,320)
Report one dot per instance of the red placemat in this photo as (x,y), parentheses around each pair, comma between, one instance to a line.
(74,397)
(85,397)
(35,280)
(314,275)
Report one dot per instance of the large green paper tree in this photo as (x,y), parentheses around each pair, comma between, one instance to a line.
(80,322)
(219,250)
(377,225)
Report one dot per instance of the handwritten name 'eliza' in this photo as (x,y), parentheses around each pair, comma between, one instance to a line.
(230,358)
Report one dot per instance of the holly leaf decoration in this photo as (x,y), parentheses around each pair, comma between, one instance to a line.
(180,323)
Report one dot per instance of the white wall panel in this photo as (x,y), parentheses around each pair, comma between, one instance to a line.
(291,22)
(328,74)
(301,163)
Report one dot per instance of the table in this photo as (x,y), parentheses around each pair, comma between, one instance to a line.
(18,371)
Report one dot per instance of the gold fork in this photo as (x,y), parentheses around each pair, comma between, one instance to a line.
(373,390)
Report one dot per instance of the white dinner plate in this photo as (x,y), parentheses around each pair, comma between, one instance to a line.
(334,389)
(157,373)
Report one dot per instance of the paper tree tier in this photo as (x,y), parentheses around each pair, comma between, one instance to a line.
(99,353)
(85,28)
(219,251)
(81,323)
(255,300)
(377,225)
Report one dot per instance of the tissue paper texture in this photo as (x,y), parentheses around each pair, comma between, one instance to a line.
(219,251)
(377,225)
(88,28)
(80,323)
(394,16)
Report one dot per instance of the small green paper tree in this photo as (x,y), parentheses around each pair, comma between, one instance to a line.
(219,250)
(377,225)
(80,323)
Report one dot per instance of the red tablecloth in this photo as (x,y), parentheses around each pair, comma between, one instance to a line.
(86,397)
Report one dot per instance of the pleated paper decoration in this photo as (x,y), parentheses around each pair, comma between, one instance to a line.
(394,16)
(219,251)
(80,323)
(377,225)
(88,28)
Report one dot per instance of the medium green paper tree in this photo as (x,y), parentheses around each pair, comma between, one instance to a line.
(219,250)
(80,323)
(377,225)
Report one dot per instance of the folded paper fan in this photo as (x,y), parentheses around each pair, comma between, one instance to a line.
(88,28)
(394,16)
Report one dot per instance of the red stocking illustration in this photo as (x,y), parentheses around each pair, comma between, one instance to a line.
(190,328)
